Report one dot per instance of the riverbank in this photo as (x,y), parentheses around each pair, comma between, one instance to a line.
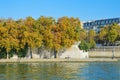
(58,60)
(102,54)
(105,52)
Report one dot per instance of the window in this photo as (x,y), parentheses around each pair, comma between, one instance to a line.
(92,24)
(109,21)
(102,22)
(117,21)
(106,21)
(87,24)
(96,23)
(114,20)
(99,22)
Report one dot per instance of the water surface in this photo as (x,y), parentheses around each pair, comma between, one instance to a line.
(61,71)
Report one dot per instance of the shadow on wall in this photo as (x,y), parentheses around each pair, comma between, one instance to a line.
(73,52)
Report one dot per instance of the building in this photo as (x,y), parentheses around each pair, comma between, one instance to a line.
(97,24)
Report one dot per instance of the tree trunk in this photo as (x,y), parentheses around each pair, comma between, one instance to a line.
(7,55)
(55,54)
(31,53)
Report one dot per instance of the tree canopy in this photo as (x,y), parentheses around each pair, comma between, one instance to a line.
(45,32)
(110,34)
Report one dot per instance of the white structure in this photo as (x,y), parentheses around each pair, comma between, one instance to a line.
(14,57)
(40,53)
(74,52)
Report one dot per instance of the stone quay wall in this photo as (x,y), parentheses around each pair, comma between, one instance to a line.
(105,52)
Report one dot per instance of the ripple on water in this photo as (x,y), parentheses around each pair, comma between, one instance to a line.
(61,71)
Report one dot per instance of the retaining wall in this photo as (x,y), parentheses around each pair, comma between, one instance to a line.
(105,51)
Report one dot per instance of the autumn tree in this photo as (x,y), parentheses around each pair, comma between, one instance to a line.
(31,35)
(91,38)
(83,34)
(66,33)
(102,36)
(9,35)
(44,25)
(110,34)
(116,27)
(60,34)
(45,31)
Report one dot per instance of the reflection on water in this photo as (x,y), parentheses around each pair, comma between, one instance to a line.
(60,71)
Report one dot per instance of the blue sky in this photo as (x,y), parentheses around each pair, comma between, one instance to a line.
(83,9)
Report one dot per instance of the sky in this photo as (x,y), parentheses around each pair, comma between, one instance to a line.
(83,9)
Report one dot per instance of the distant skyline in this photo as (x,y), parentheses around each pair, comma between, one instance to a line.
(83,9)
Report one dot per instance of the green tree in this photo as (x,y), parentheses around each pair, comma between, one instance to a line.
(84,46)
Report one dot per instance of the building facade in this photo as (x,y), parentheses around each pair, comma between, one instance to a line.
(98,24)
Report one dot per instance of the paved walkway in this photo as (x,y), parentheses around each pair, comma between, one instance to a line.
(59,60)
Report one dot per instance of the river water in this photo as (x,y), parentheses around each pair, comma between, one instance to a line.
(60,71)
